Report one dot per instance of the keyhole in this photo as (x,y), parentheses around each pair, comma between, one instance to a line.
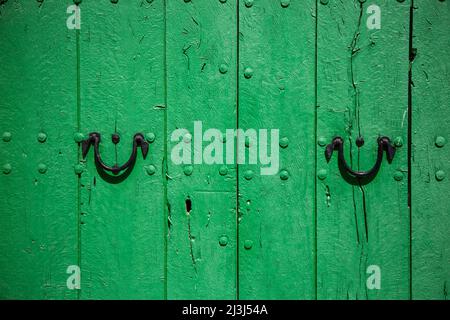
(188,205)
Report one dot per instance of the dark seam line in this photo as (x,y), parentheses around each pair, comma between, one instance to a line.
(78,61)
(236,147)
(315,149)
(165,167)
(411,58)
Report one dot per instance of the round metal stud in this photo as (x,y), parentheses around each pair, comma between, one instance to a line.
(322,174)
(322,142)
(188,170)
(398,175)
(284,142)
(440,141)
(440,175)
(42,168)
(150,169)
(223,241)
(6,136)
(115,138)
(7,168)
(398,142)
(248,73)
(284,175)
(248,244)
(187,138)
(285,3)
(223,170)
(150,137)
(78,168)
(223,68)
(248,175)
(248,3)
(42,137)
(78,137)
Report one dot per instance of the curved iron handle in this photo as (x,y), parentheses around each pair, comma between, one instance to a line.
(94,139)
(384,144)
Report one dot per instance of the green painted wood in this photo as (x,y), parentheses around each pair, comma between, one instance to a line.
(122,89)
(38,220)
(201,41)
(362,81)
(276,216)
(310,68)
(430,155)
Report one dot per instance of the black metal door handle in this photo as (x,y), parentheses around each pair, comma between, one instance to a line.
(384,144)
(94,139)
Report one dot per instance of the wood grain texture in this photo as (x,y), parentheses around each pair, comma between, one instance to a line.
(362,91)
(201,37)
(311,69)
(276,216)
(38,220)
(122,87)
(430,118)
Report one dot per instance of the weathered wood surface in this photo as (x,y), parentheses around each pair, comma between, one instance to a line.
(362,91)
(430,151)
(38,211)
(276,212)
(122,87)
(201,202)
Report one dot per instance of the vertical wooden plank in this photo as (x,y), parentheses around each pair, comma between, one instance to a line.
(362,92)
(38,221)
(122,90)
(201,197)
(276,91)
(430,151)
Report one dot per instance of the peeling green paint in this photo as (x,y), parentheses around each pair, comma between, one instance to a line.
(313,69)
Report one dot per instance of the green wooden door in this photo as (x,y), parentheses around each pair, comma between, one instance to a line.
(238,102)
